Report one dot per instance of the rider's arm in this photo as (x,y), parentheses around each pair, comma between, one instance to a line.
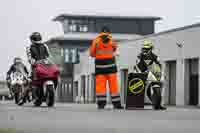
(136,68)
(31,60)
(9,71)
(47,51)
(26,70)
(158,61)
(139,56)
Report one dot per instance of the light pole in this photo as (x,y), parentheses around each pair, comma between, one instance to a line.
(180,51)
(180,75)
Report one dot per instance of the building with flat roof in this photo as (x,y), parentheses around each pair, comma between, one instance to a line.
(79,31)
(141,25)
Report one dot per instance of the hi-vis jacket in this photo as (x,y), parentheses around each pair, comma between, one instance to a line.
(104,55)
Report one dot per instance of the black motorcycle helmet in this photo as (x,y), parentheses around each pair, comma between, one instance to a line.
(36,37)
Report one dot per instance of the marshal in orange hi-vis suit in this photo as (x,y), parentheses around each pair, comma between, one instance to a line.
(102,49)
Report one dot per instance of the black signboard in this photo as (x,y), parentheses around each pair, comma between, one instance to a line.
(135,90)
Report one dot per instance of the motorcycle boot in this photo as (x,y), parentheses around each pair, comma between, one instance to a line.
(162,107)
(101,104)
(117,105)
(156,100)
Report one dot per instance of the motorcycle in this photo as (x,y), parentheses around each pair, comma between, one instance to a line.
(17,82)
(44,83)
(153,84)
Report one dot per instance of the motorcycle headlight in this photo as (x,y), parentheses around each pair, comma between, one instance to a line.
(13,82)
(20,82)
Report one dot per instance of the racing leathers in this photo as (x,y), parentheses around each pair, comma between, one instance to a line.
(37,52)
(16,67)
(143,64)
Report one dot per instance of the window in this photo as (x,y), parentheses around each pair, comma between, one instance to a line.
(78,26)
(73,28)
(83,28)
(66,55)
(70,88)
(71,55)
(62,52)
(73,52)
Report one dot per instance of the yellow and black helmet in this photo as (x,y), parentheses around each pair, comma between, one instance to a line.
(147,44)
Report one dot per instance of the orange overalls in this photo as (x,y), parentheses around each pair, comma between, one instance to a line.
(105,69)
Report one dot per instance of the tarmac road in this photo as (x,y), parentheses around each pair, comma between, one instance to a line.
(85,118)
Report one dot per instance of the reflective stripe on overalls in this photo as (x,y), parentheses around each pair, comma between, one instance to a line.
(105,66)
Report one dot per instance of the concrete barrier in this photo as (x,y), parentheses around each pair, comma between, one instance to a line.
(4,92)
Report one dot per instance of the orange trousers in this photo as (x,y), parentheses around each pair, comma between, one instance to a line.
(101,80)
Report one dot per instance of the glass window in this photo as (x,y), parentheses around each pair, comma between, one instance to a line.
(73,51)
(66,55)
(85,28)
(70,88)
(80,28)
(61,52)
(71,55)
(78,25)
(72,28)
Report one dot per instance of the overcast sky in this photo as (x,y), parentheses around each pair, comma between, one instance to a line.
(19,18)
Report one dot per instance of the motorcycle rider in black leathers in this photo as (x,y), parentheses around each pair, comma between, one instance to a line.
(17,66)
(145,59)
(36,52)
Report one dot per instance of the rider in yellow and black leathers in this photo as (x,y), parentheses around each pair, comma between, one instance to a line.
(145,59)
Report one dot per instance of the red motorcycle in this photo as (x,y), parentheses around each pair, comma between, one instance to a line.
(45,81)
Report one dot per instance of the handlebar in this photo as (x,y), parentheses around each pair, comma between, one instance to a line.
(44,61)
